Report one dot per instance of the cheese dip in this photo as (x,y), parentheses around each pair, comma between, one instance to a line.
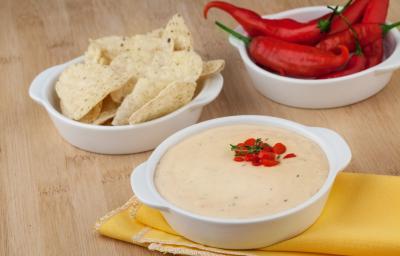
(199,175)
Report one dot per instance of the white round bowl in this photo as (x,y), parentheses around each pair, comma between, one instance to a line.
(242,233)
(321,93)
(125,139)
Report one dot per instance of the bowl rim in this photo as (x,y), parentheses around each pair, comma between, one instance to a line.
(248,62)
(50,82)
(172,140)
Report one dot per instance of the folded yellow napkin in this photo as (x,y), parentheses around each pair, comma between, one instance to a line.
(361,217)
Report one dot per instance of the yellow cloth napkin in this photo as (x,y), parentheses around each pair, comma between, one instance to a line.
(361,217)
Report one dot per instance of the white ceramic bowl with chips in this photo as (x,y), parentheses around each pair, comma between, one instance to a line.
(125,139)
(321,93)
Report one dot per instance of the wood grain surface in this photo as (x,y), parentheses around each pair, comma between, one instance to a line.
(52,193)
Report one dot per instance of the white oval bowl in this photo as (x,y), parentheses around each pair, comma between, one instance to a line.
(321,93)
(242,233)
(125,139)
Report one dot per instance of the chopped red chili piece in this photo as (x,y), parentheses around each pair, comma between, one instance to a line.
(279,148)
(238,159)
(268,162)
(267,155)
(290,155)
(250,142)
(249,157)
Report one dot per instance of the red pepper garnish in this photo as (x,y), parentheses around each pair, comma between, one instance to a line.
(287,29)
(249,157)
(238,159)
(269,163)
(367,34)
(259,153)
(279,148)
(250,142)
(290,155)
(375,12)
(291,59)
(266,155)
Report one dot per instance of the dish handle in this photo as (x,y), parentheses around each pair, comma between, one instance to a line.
(390,64)
(142,189)
(37,86)
(340,148)
(211,90)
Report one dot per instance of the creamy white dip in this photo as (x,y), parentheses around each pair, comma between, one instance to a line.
(199,175)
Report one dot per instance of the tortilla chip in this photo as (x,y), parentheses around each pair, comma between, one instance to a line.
(150,43)
(94,54)
(132,65)
(105,49)
(118,95)
(108,110)
(92,114)
(110,46)
(212,67)
(144,91)
(156,32)
(89,117)
(177,30)
(82,86)
(173,97)
(183,66)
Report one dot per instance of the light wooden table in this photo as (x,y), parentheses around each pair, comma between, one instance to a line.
(52,193)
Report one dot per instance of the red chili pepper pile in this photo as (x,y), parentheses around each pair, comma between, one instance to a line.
(318,48)
(259,152)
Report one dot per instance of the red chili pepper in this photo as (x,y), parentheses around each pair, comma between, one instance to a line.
(288,30)
(290,155)
(352,14)
(291,59)
(374,53)
(375,12)
(279,148)
(367,34)
(357,63)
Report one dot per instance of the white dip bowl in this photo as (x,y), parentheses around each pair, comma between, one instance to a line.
(125,139)
(246,233)
(321,93)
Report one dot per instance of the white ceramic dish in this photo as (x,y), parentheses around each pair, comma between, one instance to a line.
(326,93)
(242,233)
(118,139)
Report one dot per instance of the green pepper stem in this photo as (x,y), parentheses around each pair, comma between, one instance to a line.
(355,35)
(325,24)
(386,27)
(239,36)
